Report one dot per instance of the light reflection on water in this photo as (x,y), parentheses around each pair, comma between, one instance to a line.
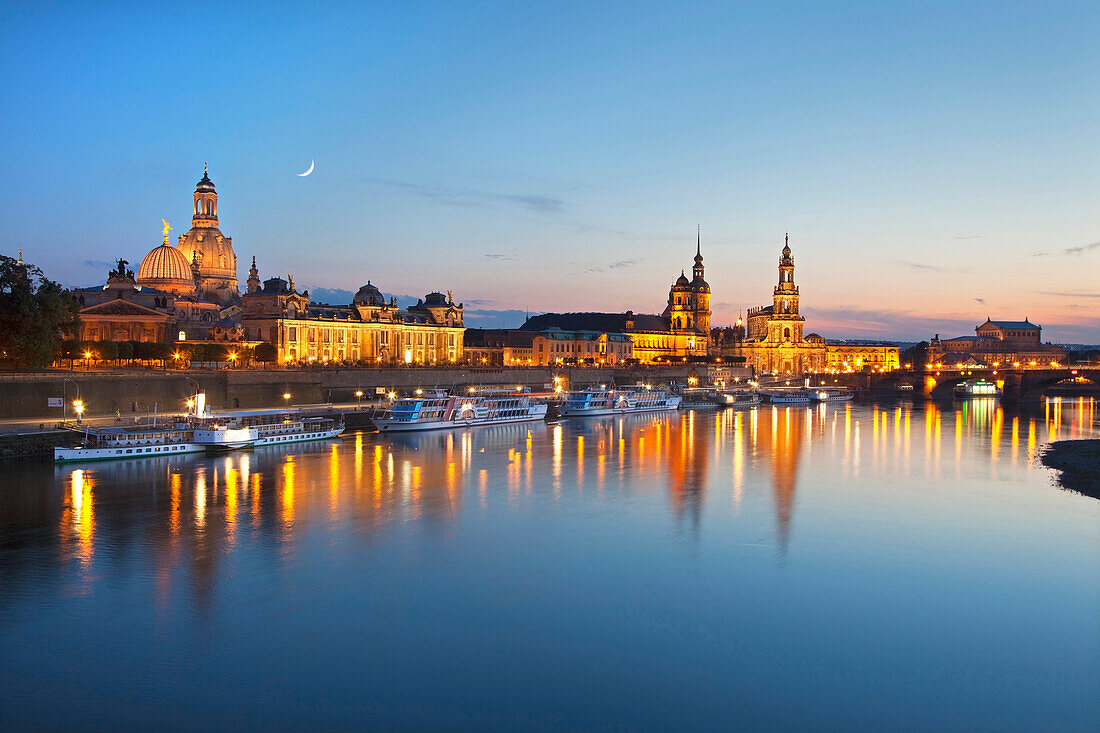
(926,540)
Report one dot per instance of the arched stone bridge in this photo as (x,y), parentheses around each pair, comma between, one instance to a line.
(1019,384)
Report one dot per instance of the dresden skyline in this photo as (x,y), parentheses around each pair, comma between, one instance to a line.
(933,168)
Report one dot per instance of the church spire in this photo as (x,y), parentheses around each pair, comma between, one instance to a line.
(253,277)
(697,269)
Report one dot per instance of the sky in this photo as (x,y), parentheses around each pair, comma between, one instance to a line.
(934,163)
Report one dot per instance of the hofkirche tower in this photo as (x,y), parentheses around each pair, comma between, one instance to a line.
(688,308)
(785,323)
(208,250)
(774,341)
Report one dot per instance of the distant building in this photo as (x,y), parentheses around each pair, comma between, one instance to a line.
(370,329)
(498,347)
(551,346)
(192,286)
(773,340)
(680,332)
(207,249)
(844,356)
(996,343)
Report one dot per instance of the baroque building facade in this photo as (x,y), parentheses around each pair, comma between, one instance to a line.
(773,340)
(192,287)
(369,330)
(996,343)
(680,332)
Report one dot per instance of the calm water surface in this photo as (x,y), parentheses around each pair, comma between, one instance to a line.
(886,567)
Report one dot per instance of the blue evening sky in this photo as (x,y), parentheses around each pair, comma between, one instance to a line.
(935,163)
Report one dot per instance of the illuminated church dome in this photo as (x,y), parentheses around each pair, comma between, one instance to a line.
(165,268)
(369,295)
(205,245)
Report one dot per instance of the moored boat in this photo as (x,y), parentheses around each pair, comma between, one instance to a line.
(795,396)
(830,394)
(435,410)
(201,431)
(111,443)
(584,403)
(977,388)
(738,399)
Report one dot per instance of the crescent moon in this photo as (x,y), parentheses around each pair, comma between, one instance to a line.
(303,175)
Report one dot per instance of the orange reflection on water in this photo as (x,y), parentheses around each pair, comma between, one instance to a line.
(288,493)
(82,513)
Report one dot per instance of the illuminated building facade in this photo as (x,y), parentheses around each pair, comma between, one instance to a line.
(542,348)
(680,332)
(841,356)
(192,286)
(774,342)
(996,343)
(370,330)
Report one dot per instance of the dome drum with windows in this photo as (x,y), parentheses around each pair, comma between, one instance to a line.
(205,247)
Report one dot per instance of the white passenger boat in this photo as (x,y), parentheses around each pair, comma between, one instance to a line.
(831,394)
(977,388)
(201,431)
(278,426)
(617,402)
(436,409)
(100,444)
(738,399)
(796,396)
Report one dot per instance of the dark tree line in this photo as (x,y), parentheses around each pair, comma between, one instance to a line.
(35,313)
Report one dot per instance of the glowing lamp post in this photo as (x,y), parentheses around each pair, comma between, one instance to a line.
(286,399)
(359,398)
(78,405)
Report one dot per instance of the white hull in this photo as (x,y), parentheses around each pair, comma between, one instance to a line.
(386,425)
(566,412)
(833,398)
(774,400)
(63,455)
(299,438)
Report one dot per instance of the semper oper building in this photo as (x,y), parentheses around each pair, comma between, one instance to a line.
(371,330)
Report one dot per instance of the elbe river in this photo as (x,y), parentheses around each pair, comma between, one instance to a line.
(891,566)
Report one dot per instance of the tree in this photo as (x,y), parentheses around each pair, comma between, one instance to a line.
(106,350)
(125,350)
(266,353)
(916,355)
(35,314)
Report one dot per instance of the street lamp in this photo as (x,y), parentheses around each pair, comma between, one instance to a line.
(286,399)
(88,360)
(78,405)
(359,397)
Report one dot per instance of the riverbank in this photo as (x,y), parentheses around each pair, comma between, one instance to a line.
(1079,463)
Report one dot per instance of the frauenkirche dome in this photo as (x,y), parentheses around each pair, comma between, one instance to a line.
(205,245)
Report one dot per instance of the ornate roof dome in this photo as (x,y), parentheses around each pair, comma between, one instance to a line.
(212,249)
(435,299)
(682,280)
(165,268)
(205,184)
(369,295)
